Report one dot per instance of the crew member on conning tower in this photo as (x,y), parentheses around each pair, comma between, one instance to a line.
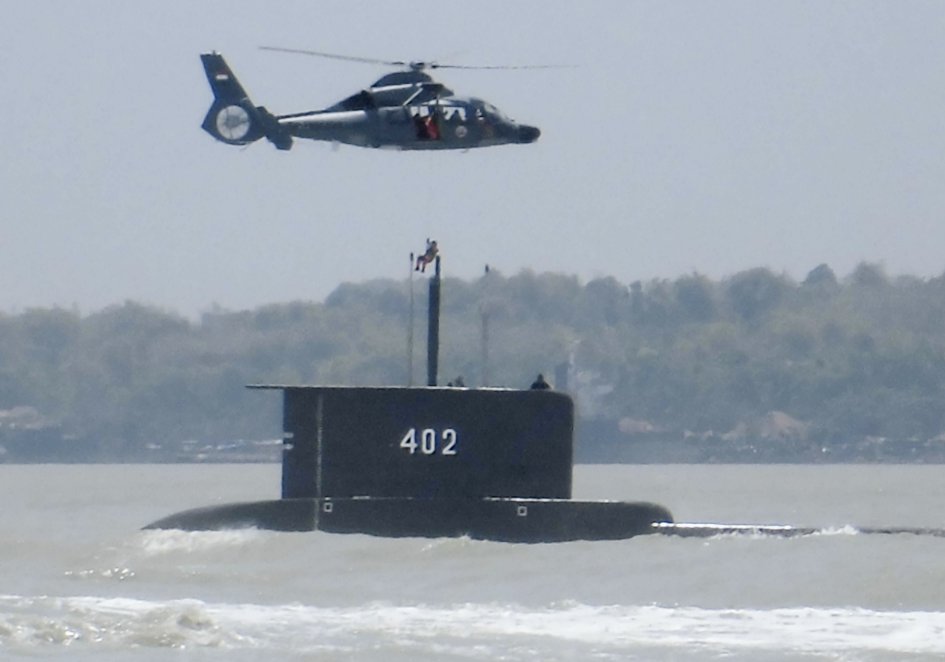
(428,256)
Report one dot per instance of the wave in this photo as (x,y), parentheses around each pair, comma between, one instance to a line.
(157,542)
(559,631)
(711,530)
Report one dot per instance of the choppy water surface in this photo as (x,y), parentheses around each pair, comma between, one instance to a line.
(80,581)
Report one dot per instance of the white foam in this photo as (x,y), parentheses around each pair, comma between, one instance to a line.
(120,622)
(158,542)
(846,530)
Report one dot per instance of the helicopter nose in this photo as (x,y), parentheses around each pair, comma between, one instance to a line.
(528,134)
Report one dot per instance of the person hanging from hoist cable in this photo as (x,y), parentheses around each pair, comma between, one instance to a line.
(428,256)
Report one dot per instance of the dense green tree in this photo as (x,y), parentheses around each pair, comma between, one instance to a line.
(821,276)
(755,292)
(853,357)
(696,298)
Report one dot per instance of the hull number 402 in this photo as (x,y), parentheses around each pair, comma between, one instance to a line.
(429,441)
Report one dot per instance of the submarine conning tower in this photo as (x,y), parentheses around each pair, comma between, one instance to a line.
(426,443)
(442,461)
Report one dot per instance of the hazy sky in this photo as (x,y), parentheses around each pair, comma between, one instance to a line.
(691,136)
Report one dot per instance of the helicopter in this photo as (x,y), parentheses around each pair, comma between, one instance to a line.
(402,110)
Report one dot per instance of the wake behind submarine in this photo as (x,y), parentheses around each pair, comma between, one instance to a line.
(489,463)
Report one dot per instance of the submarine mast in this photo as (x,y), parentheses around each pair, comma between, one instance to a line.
(433,326)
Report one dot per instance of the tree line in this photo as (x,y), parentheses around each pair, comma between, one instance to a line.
(862,356)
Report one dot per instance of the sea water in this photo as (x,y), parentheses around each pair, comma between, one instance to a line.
(79,580)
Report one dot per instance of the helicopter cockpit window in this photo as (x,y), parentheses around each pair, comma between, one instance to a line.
(445,112)
(453,113)
(486,112)
(492,111)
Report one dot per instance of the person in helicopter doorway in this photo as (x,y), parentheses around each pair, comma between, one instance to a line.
(427,127)
(428,256)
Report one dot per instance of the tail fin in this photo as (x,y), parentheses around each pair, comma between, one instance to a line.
(233,118)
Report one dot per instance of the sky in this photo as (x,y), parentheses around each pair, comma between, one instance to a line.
(707,137)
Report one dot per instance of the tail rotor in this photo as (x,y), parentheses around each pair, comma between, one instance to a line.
(233,119)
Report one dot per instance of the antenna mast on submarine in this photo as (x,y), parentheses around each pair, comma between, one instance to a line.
(410,325)
(433,326)
(484,314)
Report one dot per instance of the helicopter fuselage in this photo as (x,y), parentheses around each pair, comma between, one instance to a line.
(447,124)
(404,110)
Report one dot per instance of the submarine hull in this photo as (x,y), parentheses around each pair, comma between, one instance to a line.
(499,519)
(491,464)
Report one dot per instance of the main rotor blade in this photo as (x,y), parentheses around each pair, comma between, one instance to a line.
(415,65)
(435,65)
(335,56)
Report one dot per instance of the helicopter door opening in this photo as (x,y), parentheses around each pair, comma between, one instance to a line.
(427,122)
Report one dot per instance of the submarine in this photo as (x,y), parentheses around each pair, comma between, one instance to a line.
(429,461)
(491,464)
